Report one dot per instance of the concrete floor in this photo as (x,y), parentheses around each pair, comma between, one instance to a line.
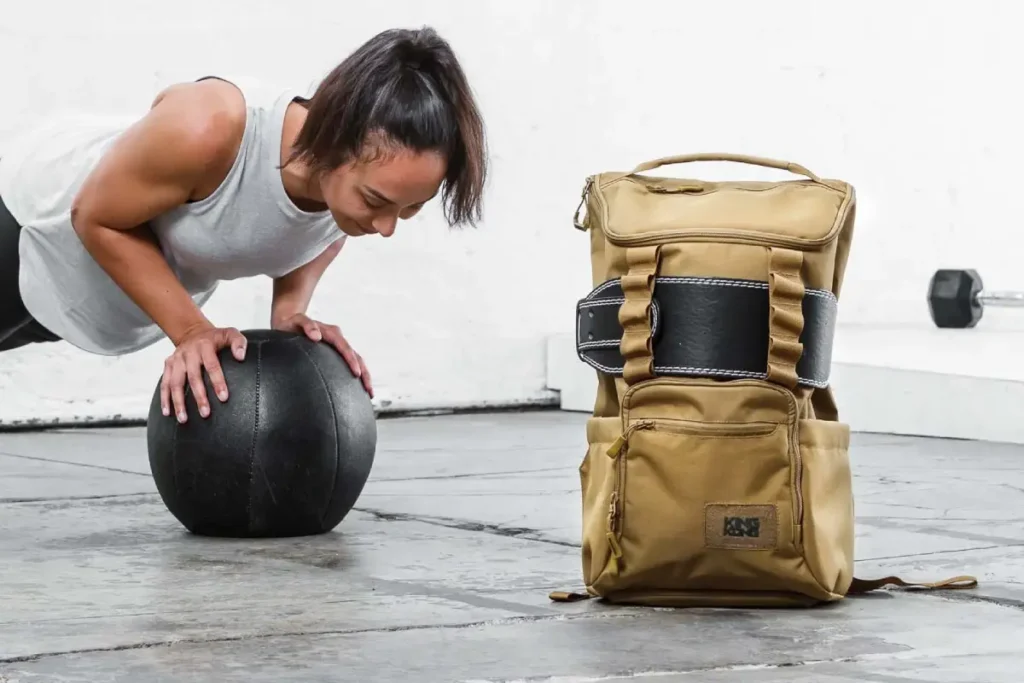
(443,571)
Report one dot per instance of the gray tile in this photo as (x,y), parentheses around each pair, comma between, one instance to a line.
(883,639)
(443,570)
(31,478)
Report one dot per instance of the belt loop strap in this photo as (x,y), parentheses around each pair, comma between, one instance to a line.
(635,313)
(785,316)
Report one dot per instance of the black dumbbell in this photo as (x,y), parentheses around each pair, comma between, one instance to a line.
(956,298)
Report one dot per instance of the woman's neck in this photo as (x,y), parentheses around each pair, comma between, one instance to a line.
(297,177)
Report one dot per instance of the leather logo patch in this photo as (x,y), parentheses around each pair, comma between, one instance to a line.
(740,527)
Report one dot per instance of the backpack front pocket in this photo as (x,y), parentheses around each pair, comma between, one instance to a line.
(706,490)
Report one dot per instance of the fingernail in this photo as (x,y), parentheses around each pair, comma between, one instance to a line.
(165,410)
(223,395)
(316,335)
(204,411)
(182,417)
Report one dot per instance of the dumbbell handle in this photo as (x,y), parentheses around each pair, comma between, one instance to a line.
(1000,299)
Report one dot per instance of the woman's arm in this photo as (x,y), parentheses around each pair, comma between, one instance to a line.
(179,151)
(292,294)
(162,161)
(294,291)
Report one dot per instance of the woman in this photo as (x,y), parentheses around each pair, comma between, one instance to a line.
(115,233)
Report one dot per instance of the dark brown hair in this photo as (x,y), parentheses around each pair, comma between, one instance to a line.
(407,88)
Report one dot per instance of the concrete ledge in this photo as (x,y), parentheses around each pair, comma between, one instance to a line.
(965,384)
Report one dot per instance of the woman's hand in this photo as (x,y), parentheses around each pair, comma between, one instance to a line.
(318,331)
(196,351)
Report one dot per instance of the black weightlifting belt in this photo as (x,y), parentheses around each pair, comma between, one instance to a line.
(710,327)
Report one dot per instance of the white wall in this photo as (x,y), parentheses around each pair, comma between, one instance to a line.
(915,103)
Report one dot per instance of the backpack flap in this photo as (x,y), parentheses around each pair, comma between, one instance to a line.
(810,215)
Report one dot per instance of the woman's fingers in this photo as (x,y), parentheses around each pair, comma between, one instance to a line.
(190,363)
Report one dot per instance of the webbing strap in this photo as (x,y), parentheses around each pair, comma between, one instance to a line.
(859,586)
(635,313)
(786,318)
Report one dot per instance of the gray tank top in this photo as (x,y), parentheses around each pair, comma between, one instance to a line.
(247,227)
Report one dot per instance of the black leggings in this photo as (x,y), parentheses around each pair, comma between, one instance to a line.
(17,327)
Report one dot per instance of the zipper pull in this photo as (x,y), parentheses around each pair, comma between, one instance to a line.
(616,447)
(613,512)
(583,200)
(612,534)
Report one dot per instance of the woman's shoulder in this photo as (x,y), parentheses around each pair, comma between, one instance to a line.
(207,116)
(203,103)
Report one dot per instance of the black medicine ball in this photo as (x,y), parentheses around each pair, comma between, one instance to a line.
(287,455)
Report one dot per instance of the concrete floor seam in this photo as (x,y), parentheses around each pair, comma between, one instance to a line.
(313,633)
(466,525)
(76,464)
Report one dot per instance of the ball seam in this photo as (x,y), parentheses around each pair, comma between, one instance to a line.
(255,435)
(337,439)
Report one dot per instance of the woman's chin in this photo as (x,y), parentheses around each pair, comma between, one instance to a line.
(353,229)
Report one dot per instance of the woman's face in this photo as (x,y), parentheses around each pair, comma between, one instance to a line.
(369,197)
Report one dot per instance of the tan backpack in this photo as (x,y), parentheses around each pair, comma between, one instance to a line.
(717,472)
